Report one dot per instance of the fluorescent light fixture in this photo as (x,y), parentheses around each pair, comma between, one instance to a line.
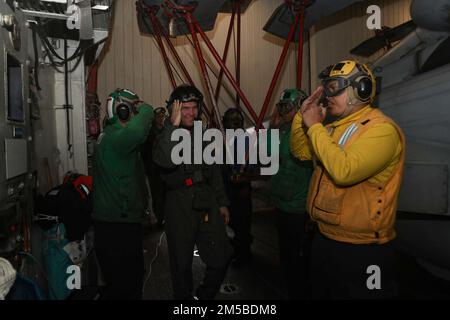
(100,7)
(63,1)
(55,1)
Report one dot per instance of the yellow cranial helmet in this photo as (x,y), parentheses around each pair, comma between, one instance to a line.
(348,73)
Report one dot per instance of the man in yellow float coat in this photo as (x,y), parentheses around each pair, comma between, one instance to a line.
(359,160)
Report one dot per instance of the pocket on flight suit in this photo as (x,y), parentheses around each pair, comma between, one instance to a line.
(328,204)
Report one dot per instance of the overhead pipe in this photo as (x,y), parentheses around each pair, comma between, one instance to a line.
(175,53)
(300,47)
(278,70)
(159,28)
(157,31)
(225,69)
(206,80)
(238,49)
(225,53)
(215,55)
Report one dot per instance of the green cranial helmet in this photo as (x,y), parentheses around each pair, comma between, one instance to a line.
(290,99)
(116,97)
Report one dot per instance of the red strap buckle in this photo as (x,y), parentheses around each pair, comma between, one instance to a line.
(188,182)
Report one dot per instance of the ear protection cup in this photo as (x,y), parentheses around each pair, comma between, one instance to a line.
(123,111)
(119,105)
(363,88)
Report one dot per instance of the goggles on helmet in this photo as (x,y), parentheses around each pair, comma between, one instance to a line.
(336,78)
(284,107)
(335,86)
(189,97)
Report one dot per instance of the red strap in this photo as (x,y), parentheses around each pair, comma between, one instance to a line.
(188,182)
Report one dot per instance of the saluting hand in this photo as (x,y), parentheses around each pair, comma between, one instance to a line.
(312,101)
(312,112)
(175,118)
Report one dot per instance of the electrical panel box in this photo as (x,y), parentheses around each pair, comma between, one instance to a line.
(16,157)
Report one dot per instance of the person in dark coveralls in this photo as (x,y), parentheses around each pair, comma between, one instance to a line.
(195,207)
(288,193)
(238,187)
(119,195)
